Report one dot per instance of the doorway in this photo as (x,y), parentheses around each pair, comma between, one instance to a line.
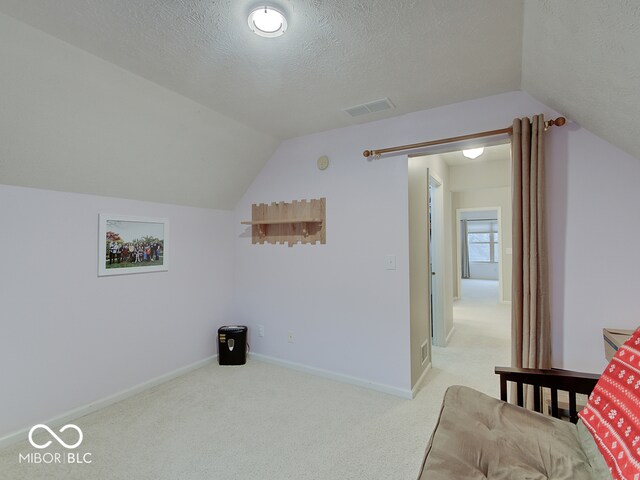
(440,184)
(430,263)
(480,259)
(481,198)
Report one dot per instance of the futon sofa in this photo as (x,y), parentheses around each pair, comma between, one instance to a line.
(480,437)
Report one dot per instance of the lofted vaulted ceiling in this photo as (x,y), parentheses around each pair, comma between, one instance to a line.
(580,57)
(336,53)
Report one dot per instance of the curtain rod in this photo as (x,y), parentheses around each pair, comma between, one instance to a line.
(490,133)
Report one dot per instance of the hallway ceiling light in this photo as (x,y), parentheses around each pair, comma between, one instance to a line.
(267,22)
(473,152)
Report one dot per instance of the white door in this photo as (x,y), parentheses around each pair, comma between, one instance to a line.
(435,223)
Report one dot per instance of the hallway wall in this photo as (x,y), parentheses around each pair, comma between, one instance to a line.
(490,197)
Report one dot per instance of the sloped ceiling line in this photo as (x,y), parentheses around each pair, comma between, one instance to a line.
(579,57)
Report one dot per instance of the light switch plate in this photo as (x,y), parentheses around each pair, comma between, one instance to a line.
(390,262)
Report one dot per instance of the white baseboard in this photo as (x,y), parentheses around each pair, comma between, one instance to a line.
(448,339)
(78,412)
(399,392)
(416,387)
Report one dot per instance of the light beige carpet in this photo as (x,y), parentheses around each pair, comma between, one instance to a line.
(264,422)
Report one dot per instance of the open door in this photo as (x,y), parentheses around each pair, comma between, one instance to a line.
(435,223)
(419,269)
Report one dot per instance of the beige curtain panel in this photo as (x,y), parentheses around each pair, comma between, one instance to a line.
(531,329)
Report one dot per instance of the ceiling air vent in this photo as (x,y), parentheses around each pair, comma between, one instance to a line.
(371,107)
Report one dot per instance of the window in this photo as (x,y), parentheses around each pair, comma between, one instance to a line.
(482,236)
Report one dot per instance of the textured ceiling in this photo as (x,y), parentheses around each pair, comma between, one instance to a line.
(582,58)
(336,53)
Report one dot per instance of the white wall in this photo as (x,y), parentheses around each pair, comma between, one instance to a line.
(481,174)
(338,298)
(349,314)
(69,337)
(483,271)
(70,121)
(593,202)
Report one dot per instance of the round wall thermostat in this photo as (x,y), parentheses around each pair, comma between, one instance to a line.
(323,162)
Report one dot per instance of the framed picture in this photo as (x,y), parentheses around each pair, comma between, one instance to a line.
(132,245)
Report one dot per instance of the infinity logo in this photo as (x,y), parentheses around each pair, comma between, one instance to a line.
(58,439)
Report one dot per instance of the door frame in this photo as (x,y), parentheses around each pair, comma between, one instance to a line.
(438,259)
(458,244)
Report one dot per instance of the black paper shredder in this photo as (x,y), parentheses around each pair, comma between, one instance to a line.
(232,345)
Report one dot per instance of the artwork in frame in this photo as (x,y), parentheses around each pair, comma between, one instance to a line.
(132,245)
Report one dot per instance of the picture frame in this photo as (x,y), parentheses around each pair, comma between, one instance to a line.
(130,244)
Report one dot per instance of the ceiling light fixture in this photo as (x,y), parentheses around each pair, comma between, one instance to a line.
(473,152)
(267,22)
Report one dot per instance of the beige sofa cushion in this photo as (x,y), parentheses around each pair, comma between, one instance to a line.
(479,437)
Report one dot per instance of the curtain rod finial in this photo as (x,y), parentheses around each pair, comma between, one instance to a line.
(367,153)
(558,122)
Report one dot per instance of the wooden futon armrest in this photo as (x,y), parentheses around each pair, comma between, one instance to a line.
(553,379)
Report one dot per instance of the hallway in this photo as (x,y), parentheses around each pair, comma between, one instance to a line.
(480,340)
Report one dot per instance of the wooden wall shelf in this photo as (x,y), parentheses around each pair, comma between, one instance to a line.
(276,222)
(282,222)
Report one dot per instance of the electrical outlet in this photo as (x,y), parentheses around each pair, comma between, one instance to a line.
(261,330)
(290,337)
